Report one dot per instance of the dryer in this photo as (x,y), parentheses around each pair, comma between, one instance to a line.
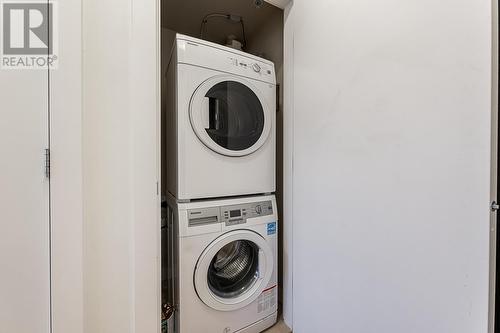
(220,121)
(224,259)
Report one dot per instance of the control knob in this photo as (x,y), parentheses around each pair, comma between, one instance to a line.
(256,68)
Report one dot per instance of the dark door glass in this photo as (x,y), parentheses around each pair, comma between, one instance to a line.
(234,269)
(236,115)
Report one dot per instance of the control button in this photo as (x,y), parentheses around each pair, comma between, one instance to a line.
(235,222)
(258,209)
(256,68)
(234,61)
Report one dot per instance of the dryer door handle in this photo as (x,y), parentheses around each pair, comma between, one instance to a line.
(262,264)
(214,114)
(205,113)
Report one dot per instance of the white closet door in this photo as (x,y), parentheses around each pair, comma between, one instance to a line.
(24,202)
(391,165)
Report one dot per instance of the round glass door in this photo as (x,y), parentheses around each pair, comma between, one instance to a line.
(233,270)
(230,116)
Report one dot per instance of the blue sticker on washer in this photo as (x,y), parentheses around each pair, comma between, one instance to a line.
(271,228)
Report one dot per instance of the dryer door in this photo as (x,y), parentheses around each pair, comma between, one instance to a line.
(230,116)
(233,270)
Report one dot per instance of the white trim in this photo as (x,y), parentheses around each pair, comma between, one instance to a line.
(288,144)
(144,83)
(494,165)
(66,175)
(159,79)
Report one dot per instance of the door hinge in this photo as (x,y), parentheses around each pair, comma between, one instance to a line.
(47,163)
(495,206)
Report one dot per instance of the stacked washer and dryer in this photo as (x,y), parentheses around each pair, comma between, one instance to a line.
(220,240)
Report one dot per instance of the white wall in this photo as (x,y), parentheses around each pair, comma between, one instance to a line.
(121,206)
(390,148)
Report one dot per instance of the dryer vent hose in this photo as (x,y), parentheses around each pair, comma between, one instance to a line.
(229,17)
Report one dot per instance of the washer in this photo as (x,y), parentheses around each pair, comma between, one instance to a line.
(225,256)
(220,121)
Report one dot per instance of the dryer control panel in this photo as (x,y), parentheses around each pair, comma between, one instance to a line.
(194,51)
(252,68)
(238,214)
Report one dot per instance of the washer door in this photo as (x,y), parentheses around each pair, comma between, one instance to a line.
(233,270)
(230,116)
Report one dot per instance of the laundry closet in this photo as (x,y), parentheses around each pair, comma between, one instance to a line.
(222,165)
(385,137)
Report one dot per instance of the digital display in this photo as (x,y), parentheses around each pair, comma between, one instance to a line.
(235,213)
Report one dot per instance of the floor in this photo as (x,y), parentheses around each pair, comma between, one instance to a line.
(280,327)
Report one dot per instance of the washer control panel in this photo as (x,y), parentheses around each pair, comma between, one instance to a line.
(238,214)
